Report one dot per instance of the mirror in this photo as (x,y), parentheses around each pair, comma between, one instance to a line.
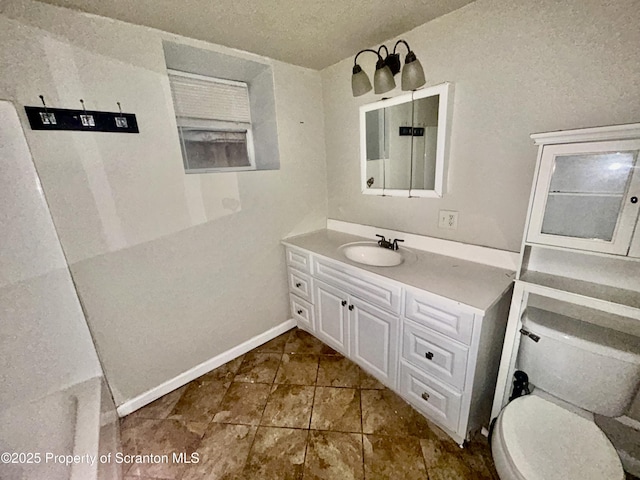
(404,143)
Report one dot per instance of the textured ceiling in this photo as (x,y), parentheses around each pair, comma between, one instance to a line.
(313,34)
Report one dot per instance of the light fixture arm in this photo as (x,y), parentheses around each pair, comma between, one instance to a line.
(405,44)
(355,60)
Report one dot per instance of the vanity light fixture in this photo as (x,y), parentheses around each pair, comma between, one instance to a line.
(386,68)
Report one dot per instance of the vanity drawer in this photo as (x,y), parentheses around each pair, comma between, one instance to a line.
(430,397)
(300,284)
(298,259)
(385,295)
(302,311)
(439,314)
(435,354)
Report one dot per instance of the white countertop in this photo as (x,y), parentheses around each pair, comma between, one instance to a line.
(472,284)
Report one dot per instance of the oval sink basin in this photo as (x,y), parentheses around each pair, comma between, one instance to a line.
(370,253)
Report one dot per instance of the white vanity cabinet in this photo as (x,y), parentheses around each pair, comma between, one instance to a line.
(438,354)
(358,330)
(332,316)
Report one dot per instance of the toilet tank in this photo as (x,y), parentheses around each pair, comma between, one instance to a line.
(591,367)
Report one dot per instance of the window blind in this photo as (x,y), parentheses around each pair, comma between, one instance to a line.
(209,99)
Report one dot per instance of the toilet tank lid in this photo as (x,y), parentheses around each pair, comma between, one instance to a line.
(582,334)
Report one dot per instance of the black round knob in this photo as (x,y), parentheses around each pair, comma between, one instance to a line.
(298,285)
(350,307)
(299,312)
(634,199)
(344,302)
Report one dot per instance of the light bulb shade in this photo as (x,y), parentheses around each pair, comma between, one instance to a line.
(360,83)
(383,80)
(412,73)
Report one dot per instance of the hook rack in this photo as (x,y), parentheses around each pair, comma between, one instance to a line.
(45,118)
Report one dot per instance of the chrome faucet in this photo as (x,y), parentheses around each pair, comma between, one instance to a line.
(384,243)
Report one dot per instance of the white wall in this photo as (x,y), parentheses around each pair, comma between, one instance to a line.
(518,68)
(172,269)
(45,345)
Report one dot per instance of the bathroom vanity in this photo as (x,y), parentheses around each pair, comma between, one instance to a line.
(430,328)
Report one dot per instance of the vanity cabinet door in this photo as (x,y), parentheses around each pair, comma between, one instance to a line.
(374,340)
(331,316)
(586,196)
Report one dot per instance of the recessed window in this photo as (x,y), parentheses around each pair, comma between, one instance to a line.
(214,123)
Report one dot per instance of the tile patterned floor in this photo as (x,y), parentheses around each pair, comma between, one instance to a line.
(294,409)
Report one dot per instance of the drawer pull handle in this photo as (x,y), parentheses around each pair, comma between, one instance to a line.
(425,396)
(344,302)
(350,307)
(429,355)
(298,284)
(299,312)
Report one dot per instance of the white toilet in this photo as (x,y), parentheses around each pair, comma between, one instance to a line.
(578,369)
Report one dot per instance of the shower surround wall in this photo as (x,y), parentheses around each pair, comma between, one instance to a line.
(172,269)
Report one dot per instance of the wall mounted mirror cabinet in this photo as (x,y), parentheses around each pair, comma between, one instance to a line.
(586,194)
(404,143)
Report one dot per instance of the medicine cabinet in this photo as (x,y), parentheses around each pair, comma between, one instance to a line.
(586,196)
(404,143)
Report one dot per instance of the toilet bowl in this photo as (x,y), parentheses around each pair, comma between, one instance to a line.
(537,438)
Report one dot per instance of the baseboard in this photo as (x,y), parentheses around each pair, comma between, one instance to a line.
(464,251)
(150,395)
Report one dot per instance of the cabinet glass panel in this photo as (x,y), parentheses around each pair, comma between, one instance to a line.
(586,194)
(397,167)
(424,143)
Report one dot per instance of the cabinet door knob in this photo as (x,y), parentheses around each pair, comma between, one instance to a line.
(299,312)
(344,302)
(350,307)
(298,285)
(425,396)
(634,199)
(429,355)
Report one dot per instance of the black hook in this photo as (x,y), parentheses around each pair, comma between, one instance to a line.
(43,103)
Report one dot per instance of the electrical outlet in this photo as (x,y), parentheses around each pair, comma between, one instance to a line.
(448,219)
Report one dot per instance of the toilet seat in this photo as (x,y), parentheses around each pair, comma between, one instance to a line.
(543,441)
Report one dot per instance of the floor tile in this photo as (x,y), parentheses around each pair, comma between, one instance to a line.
(277,454)
(274,346)
(158,437)
(224,372)
(443,461)
(336,409)
(298,370)
(477,456)
(398,441)
(243,403)
(201,399)
(302,342)
(289,406)
(223,453)
(334,371)
(385,413)
(369,381)
(258,368)
(389,458)
(161,408)
(334,455)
